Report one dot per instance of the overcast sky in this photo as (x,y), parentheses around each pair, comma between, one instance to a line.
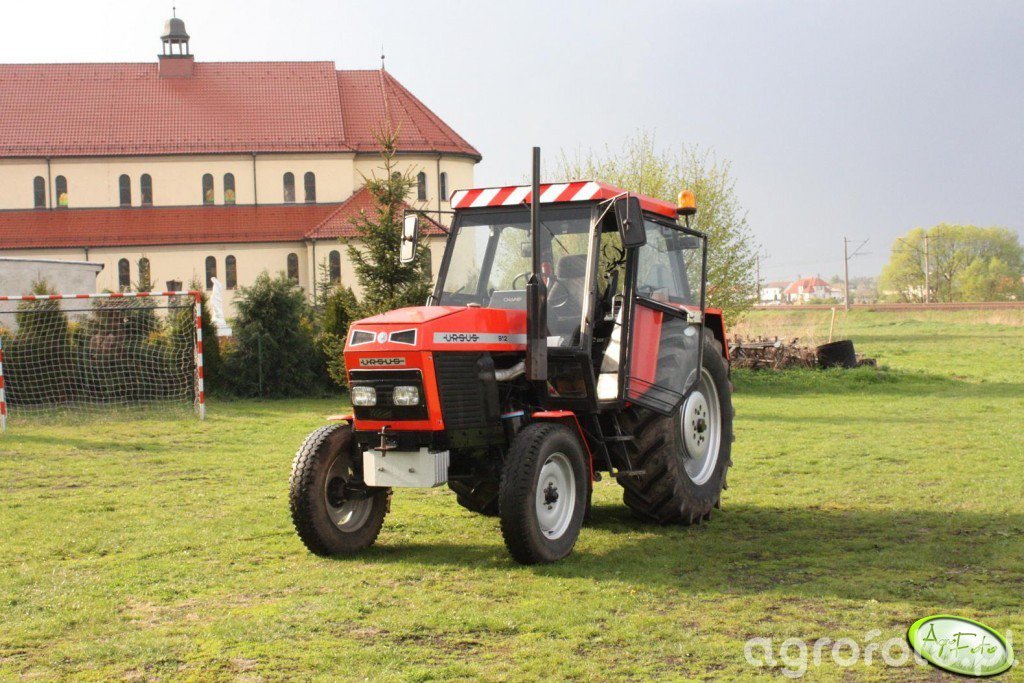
(859,119)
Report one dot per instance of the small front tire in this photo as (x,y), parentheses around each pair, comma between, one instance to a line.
(543,494)
(334,513)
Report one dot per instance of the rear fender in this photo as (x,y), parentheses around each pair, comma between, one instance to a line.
(569,419)
(715,322)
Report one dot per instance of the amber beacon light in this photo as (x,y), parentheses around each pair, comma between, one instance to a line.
(686,203)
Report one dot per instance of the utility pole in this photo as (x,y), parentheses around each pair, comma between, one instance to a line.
(926,253)
(846,268)
(927,268)
(846,274)
(758,266)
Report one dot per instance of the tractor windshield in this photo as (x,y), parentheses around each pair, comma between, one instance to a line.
(489,264)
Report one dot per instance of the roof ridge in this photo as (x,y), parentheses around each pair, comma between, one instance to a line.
(387,110)
(432,227)
(445,129)
(341,108)
(334,213)
(123,109)
(232,61)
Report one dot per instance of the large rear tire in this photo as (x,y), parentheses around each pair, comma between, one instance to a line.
(334,513)
(686,456)
(543,494)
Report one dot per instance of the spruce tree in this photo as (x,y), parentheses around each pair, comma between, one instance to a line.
(386,283)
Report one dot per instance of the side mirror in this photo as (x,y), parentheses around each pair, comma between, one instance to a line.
(410,238)
(630,217)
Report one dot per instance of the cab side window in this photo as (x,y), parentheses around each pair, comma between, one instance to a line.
(663,264)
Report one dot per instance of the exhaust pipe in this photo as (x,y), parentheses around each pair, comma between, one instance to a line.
(511,373)
(536,291)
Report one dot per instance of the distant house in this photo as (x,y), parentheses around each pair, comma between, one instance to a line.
(772,292)
(807,288)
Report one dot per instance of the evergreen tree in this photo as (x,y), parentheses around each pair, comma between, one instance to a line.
(274,354)
(40,368)
(384,281)
(335,316)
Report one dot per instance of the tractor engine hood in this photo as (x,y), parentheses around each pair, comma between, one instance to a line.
(437,328)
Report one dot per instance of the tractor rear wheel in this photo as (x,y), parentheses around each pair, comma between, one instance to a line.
(543,493)
(333,511)
(684,456)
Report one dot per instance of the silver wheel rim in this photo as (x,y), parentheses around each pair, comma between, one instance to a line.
(556,496)
(349,515)
(701,427)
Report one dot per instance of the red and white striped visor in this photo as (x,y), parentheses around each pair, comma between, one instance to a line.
(551,193)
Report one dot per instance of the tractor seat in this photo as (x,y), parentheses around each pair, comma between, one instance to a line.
(572,274)
(570,282)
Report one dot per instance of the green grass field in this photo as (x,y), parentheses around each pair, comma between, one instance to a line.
(858,501)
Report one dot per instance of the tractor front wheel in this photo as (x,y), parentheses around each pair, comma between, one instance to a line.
(543,494)
(333,511)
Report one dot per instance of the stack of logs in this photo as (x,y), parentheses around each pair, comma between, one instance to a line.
(771,354)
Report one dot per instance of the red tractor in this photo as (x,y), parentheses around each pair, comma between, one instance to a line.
(565,338)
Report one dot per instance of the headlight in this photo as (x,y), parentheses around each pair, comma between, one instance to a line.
(364,396)
(406,396)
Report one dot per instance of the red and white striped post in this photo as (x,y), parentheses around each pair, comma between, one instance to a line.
(200,392)
(3,396)
(195,294)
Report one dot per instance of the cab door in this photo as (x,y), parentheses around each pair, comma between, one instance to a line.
(666,318)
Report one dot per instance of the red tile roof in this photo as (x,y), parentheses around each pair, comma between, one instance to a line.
(152,226)
(805,284)
(126,109)
(56,228)
(369,98)
(339,223)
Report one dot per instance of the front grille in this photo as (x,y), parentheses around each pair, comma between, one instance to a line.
(384,382)
(460,389)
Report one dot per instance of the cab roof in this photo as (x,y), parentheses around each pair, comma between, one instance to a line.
(551,193)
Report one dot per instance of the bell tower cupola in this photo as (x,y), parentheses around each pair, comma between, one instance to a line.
(176,60)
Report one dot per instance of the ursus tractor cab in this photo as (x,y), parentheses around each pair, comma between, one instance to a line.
(566,338)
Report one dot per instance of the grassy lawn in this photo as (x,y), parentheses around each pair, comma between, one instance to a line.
(859,501)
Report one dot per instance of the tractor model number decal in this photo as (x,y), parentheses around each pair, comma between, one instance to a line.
(387,362)
(478,338)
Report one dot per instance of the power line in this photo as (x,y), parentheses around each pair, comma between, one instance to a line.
(926,253)
(846,267)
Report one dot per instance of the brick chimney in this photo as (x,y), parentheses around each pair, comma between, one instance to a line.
(176,66)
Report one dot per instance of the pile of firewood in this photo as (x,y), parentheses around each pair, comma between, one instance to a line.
(762,353)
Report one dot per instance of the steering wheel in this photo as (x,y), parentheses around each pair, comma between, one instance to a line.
(524,276)
(558,294)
